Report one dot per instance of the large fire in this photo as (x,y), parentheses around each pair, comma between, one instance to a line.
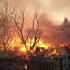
(16,43)
(42,44)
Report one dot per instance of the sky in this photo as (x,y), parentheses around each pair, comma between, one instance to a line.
(55,9)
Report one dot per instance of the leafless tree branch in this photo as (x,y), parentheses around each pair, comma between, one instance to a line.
(36,31)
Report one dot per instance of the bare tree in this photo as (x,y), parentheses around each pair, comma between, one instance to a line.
(4,21)
(20,29)
(4,28)
(37,30)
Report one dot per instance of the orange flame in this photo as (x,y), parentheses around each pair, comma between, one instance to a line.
(17,43)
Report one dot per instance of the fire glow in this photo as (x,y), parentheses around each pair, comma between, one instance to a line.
(16,43)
